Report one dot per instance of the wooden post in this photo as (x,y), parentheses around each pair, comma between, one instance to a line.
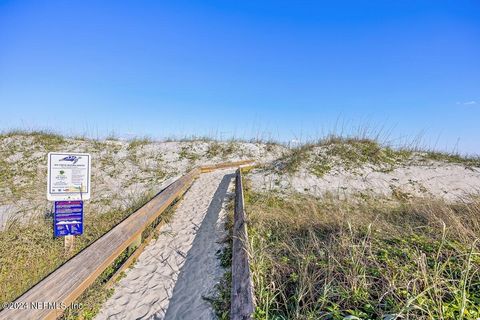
(242,301)
(69,243)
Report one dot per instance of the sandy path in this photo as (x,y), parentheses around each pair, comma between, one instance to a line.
(179,268)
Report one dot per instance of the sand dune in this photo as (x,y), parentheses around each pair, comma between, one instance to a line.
(443,180)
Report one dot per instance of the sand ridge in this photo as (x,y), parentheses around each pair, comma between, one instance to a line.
(180,267)
(444,180)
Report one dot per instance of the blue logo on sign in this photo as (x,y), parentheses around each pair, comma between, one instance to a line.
(73,159)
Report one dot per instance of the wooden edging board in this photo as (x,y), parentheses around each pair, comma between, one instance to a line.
(48,298)
(242,300)
(241,163)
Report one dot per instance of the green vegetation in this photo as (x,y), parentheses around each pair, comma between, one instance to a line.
(19,174)
(453,158)
(354,153)
(221,300)
(44,138)
(222,149)
(23,159)
(320,167)
(36,252)
(366,258)
(134,144)
(93,298)
(349,154)
(293,160)
(186,153)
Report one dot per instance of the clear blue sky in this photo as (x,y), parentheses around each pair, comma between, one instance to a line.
(285,69)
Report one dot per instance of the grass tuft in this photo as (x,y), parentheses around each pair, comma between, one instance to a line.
(222,149)
(468,161)
(137,143)
(329,259)
(221,300)
(350,154)
(36,252)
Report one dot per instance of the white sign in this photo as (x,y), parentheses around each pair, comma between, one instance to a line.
(68,176)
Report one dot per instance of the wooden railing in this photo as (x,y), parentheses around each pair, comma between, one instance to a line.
(64,285)
(242,300)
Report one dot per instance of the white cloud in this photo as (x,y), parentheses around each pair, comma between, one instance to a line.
(467,103)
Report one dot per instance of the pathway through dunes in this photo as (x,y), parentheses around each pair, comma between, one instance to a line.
(180,267)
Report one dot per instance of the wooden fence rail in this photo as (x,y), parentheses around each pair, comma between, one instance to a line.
(242,300)
(64,285)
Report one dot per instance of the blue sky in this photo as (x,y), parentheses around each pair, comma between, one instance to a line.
(280,69)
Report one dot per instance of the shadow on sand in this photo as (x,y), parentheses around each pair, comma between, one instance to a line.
(200,273)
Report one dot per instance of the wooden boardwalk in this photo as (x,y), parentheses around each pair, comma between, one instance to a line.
(69,281)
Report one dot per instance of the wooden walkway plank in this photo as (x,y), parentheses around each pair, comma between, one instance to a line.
(208,168)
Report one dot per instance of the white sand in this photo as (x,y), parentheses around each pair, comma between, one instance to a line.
(121,173)
(177,270)
(444,180)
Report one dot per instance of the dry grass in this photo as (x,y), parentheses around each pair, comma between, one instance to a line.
(29,252)
(348,153)
(366,259)
(222,149)
(351,153)
(221,299)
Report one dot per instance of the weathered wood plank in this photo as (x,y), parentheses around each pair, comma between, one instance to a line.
(242,300)
(211,167)
(66,283)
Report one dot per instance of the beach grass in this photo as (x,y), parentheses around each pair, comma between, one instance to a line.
(324,258)
(351,153)
(29,252)
(313,258)
(220,300)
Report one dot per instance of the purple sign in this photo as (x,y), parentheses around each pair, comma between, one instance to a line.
(68,218)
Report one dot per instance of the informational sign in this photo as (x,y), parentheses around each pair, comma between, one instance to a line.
(68,176)
(68,218)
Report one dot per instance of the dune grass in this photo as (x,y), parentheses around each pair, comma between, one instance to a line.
(348,153)
(43,137)
(19,164)
(138,143)
(467,161)
(364,259)
(29,252)
(187,152)
(312,258)
(222,149)
(351,153)
(220,300)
